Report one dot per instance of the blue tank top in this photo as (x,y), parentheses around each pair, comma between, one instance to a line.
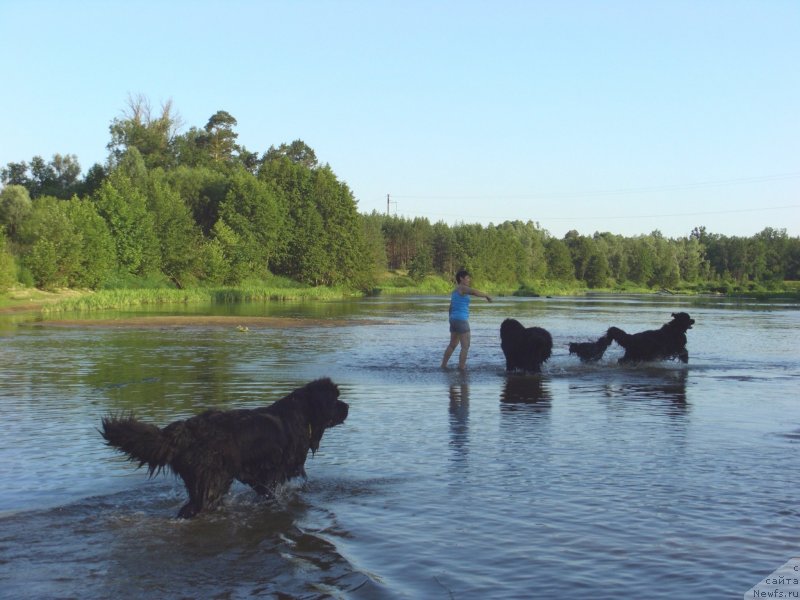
(459,306)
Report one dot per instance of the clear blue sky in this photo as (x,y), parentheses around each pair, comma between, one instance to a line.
(615,115)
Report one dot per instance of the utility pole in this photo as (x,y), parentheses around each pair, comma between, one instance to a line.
(388,202)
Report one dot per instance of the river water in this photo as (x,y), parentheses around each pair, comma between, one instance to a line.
(588,481)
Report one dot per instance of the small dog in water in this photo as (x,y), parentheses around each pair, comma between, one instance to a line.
(525,349)
(590,351)
(260,447)
(669,342)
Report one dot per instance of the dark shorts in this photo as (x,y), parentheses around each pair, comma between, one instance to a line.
(459,326)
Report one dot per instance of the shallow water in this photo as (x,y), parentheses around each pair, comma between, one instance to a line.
(602,481)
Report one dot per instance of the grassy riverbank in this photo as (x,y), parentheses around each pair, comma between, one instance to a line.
(284,290)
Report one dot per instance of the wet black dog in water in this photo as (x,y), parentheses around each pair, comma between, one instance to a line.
(590,351)
(525,349)
(260,447)
(669,342)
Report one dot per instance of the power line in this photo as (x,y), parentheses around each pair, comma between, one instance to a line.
(689,214)
(614,192)
(650,216)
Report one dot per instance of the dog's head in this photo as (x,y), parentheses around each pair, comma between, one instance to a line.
(323,408)
(682,321)
(510,327)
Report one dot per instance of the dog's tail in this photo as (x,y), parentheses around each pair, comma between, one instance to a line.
(142,442)
(590,351)
(616,334)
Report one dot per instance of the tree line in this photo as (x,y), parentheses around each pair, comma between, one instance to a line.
(196,208)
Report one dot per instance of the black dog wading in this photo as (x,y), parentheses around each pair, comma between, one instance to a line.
(260,447)
(669,342)
(525,349)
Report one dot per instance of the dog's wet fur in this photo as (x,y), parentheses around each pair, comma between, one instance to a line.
(260,447)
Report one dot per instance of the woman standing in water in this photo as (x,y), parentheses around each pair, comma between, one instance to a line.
(459,318)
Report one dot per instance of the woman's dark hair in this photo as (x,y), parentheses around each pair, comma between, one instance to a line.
(461,274)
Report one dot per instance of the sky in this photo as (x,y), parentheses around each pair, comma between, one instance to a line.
(625,116)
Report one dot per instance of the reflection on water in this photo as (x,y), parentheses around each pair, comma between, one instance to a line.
(662,386)
(526,389)
(600,481)
(459,419)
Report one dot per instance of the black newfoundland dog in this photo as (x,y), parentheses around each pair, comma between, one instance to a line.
(669,342)
(590,351)
(525,349)
(260,447)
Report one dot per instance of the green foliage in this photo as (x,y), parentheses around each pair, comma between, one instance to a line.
(152,135)
(52,245)
(255,214)
(179,238)
(597,271)
(59,177)
(15,206)
(421,265)
(124,208)
(325,238)
(143,296)
(220,139)
(8,267)
(297,152)
(374,244)
(66,244)
(559,261)
(227,259)
(641,263)
(96,256)
(180,210)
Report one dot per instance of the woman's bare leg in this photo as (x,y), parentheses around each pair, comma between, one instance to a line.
(462,357)
(448,352)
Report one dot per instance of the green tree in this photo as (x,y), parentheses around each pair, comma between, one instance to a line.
(94,177)
(775,243)
(641,259)
(8,267)
(597,271)
(124,208)
(421,265)
(533,263)
(690,259)
(52,246)
(59,177)
(297,152)
(559,261)
(178,236)
(666,269)
(375,245)
(151,134)
(203,190)
(215,268)
(229,261)
(500,256)
(446,253)
(325,242)
(15,206)
(400,241)
(254,211)
(15,174)
(581,249)
(96,257)
(348,261)
(613,247)
(220,138)
(793,259)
